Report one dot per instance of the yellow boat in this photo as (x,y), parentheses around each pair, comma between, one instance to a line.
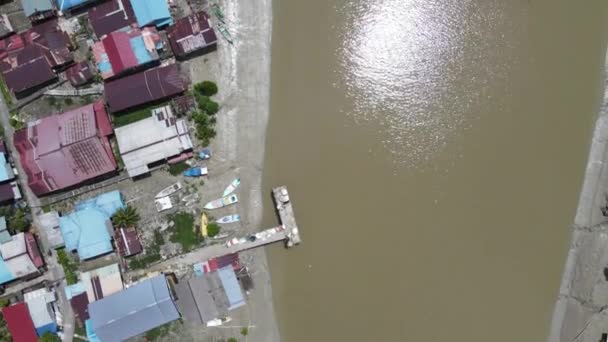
(204,223)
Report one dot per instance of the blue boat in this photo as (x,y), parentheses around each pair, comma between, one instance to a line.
(204,154)
(196,172)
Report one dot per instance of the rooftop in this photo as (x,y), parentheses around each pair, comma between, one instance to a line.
(31,7)
(6,170)
(111,16)
(49,222)
(62,150)
(191,33)
(66,5)
(156,138)
(195,301)
(152,12)
(19,323)
(39,305)
(124,50)
(133,311)
(127,241)
(232,287)
(144,87)
(79,74)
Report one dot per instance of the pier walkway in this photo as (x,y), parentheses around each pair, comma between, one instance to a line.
(287,232)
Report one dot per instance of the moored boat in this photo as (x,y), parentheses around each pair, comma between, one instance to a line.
(229,219)
(196,172)
(170,190)
(222,202)
(233,185)
(163,203)
(205,154)
(204,223)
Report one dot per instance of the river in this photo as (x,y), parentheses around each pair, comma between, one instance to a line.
(434,151)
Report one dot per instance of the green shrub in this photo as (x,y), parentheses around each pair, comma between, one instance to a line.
(213,229)
(177,169)
(212,107)
(206,88)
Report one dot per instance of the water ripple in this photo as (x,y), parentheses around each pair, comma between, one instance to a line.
(423,70)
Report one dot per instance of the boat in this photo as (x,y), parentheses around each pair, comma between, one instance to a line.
(230,188)
(196,172)
(222,202)
(191,197)
(204,154)
(170,190)
(229,219)
(163,203)
(218,321)
(204,223)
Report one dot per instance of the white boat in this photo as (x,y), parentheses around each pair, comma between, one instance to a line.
(229,219)
(220,236)
(163,203)
(230,188)
(190,198)
(222,202)
(169,190)
(218,321)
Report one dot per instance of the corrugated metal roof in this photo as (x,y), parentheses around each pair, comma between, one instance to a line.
(127,241)
(133,311)
(147,86)
(108,203)
(86,231)
(6,170)
(49,222)
(102,282)
(65,5)
(14,248)
(232,287)
(32,250)
(149,140)
(31,7)
(151,12)
(111,16)
(21,266)
(38,303)
(66,149)
(19,323)
(191,33)
(79,74)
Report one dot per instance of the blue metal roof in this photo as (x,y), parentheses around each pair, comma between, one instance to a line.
(34,6)
(142,54)
(86,231)
(5,273)
(133,311)
(231,287)
(51,327)
(67,4)
(91,335)
(152,12)
(6,171)
(108,203)
(74,290)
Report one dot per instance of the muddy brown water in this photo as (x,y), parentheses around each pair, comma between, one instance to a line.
(434,151)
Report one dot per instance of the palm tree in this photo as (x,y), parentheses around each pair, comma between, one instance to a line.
(125,217)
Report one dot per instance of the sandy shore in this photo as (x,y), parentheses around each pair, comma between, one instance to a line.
(244,81)
(580,313)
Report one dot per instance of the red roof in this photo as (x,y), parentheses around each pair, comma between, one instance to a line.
(111,16)
(32,250)
(190,34)
(127,242)
(63,150)
(147,86)
(6,193)
(119,51)
(79,74)
(27,59)
(80,304)
(20,323)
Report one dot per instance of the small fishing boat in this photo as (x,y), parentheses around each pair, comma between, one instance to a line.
(229,219)
(204,223)
(170,190)
(222,202)
(230,188)
(204,154)
(163,204)
(220,236)
(196,172)
(190,198)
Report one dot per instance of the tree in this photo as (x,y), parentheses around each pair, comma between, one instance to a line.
(211,107)
(18,221)
(49,337)
(206,88)
(125,217)
(232,339)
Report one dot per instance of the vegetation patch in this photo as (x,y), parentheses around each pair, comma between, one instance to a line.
(49,337)
(46,208)
(16,219)
(204,119)
(6,93)
(184,232)
(163,330)
(213,229)
(177,169)
(125,217)
(69,267)
(131,117)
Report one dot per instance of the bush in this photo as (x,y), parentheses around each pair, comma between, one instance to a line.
(177,169)
(206,88)
(69,268)
(244,331)
(183,231)
(211,107)
(18,221)
(68,101)
(213,229)
(204,128)
(49,337)
(232,339)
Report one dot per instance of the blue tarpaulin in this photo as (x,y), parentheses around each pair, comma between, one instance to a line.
(232,287)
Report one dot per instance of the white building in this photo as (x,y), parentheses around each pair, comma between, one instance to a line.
(157,138)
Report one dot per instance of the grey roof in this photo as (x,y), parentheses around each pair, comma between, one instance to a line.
(49,222)
(133,311)
(34,6)
(195,300)
(4,234)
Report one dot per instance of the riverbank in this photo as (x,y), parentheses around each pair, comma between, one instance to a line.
(580,313)
(244,80)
